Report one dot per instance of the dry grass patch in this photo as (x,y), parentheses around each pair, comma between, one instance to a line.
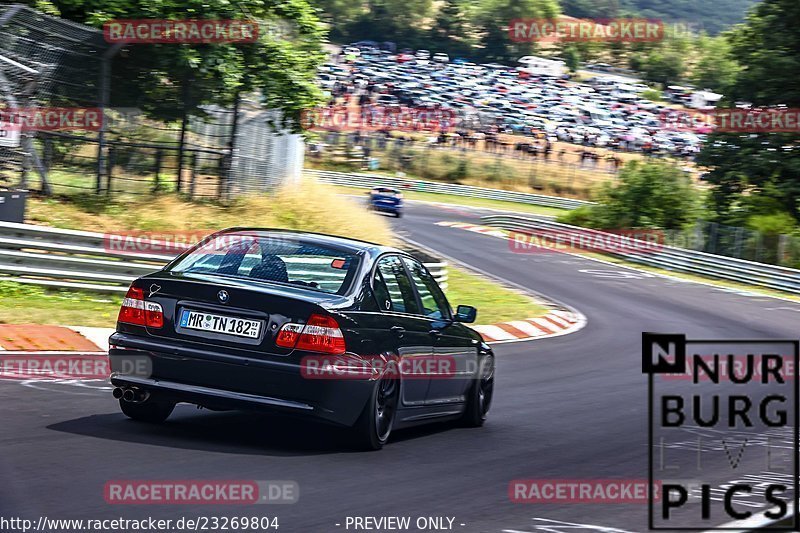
(309,206)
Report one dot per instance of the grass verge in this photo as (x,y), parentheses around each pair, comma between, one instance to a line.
(31,304)
(494,302)
(464,200)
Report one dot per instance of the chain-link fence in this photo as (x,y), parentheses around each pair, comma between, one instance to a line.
(48,63)
(523,165)
(738,242)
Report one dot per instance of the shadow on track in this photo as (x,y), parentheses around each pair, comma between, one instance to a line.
(236,432)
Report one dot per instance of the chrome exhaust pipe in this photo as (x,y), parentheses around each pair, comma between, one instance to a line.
(128,395)
(140,396)
(117,393)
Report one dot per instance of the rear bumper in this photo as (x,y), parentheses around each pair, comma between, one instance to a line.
(387,208)
(219,380)
(204,395)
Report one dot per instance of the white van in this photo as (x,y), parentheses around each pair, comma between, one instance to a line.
(540,66)
(599,117)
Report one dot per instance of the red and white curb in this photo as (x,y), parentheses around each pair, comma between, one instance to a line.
(553,324)
(476,228)
(47,338)
(98,336)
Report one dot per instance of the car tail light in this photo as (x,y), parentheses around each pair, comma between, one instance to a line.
(320,334)
(135,310)
(153,315)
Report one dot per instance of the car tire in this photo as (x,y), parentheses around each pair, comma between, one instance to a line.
(374,425)
(149,411)
(479,398)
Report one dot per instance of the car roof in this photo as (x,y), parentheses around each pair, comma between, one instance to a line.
(343,244)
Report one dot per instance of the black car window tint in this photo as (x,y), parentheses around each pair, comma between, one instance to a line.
(381,293)
(250,259)
(401,293)
(233,258)
(434,302)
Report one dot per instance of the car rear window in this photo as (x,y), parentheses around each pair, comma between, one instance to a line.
(272,258)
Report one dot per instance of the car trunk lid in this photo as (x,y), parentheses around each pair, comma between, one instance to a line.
(241,315)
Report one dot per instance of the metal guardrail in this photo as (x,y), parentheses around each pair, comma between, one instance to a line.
(675,259)
(86,260)
(373,180)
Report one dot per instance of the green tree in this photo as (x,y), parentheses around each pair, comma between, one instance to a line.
(572,58)
(662,61)
(280,66)
(452,31)
(649,194)
(716,67)
(493,17)
(751,170)
(403,21)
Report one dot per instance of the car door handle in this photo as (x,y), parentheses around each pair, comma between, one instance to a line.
(435,333)
(399,330)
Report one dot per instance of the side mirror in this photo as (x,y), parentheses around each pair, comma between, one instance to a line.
(466,314)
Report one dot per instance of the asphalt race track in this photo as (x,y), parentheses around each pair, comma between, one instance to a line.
(570,407)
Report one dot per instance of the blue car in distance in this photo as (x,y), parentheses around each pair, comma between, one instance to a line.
(386,200)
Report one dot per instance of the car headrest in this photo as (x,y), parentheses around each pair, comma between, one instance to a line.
(271,268)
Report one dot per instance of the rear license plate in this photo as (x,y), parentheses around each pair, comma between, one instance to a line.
(241,327)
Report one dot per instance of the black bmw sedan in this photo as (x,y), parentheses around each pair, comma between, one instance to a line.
(347,332)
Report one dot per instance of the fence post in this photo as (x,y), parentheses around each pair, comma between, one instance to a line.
(738,242)
(112,160)
(782,239)
(712,238)
(224,175)
(48,152)
(532,179)
(232,148)
(185,82)
(193,181)
(26,164)
(157,182)
(103,98)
